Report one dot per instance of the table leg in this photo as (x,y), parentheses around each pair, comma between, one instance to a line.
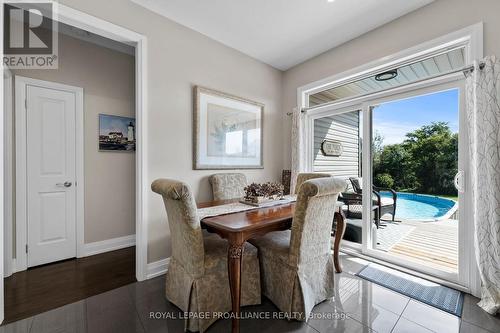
(339,234)
(235,253)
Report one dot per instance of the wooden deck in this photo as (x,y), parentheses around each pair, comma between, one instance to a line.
(433,244)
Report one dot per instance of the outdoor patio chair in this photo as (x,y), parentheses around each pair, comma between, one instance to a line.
(385,205)
(354,207)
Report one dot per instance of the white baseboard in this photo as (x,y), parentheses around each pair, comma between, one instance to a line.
(113,244)
(157,268)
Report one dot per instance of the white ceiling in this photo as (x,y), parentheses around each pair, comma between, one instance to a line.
(282,33)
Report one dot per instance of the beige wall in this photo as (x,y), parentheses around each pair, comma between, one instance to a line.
(432,21)
(108,80)
(179,58)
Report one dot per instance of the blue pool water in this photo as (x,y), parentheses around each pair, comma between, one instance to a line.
(421,207)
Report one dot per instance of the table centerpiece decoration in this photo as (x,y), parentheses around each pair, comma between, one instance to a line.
(263,194)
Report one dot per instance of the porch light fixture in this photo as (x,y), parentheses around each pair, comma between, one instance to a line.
(385,76)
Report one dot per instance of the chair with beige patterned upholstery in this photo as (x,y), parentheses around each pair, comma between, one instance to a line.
(297,265)
(228,185)
(302,177)
(197,279)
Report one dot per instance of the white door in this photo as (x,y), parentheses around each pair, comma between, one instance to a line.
(51,174)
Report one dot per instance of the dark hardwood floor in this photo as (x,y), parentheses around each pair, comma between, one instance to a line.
(50,286)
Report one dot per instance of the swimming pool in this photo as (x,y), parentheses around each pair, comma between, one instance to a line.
(421,207)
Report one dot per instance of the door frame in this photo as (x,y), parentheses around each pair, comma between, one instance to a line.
(467,259)
(21,83)
(8,171)
(2,191)
(470,37)
(112,31)
(118,33)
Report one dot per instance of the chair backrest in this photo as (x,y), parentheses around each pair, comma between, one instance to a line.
(357,184)
(184,225)
(302,177)
(313,219)
(228,185)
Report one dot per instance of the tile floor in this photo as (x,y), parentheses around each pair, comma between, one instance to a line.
(359,306)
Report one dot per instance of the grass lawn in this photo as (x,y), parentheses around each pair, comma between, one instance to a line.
(452,197)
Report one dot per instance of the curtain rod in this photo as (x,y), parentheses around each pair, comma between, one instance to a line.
(465,70)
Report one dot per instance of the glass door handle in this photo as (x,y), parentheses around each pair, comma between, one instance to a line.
(459,181)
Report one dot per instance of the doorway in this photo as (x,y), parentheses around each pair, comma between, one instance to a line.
(123,97)
(104,29)
(111,31)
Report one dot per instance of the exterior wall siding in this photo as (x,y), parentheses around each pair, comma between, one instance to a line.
(346,129)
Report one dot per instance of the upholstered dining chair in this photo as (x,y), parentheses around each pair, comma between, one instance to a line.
(302,177)
(228,185)
(297,265)
(197,278)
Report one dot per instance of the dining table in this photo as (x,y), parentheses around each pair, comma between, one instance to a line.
(238,227)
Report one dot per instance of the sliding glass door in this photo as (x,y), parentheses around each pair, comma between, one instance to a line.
(416,166)
(404,158)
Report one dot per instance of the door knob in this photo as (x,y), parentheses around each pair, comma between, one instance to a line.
(65,184)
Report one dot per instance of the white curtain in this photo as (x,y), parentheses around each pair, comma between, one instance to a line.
(483,121)
(298,145)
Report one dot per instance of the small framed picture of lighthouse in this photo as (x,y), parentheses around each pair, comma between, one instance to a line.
(116,133)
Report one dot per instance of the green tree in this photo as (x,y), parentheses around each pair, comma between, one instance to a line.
(396,161)
(426,161)
(377,148)
(384,180)
(434,154)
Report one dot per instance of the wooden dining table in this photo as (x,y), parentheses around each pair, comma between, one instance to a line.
(239,227)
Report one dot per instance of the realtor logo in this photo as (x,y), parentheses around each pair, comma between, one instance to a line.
(30,35)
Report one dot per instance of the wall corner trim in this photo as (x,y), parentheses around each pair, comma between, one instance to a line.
(158,268)
(90,249)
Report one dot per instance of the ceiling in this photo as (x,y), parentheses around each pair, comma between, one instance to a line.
(98,40)
(282,33)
